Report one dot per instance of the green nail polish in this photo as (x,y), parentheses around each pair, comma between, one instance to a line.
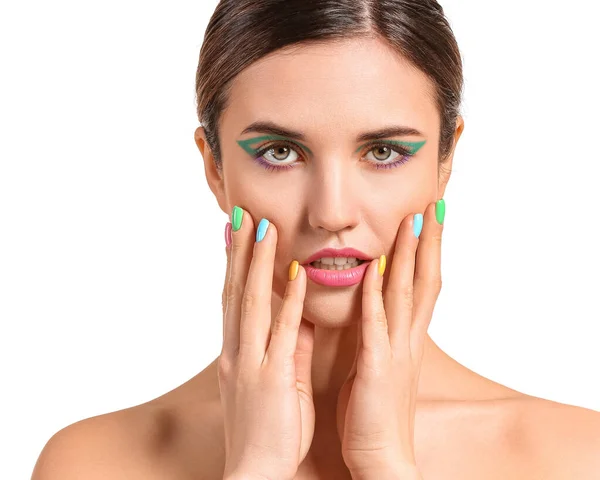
(440,210)
(236,218)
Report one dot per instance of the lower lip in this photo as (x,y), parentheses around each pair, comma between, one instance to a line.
(337,278)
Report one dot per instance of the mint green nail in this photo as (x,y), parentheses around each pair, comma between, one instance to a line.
(261,231)
(236,218)
(440,210)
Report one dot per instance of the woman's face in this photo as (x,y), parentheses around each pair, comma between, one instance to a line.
(328,189)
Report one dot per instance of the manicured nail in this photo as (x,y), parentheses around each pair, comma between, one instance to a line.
(228,234)
(440,211)
(417,224)
(381,265)
(262,229)
(293,272)
(236,218)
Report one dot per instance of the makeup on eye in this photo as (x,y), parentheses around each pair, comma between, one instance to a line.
(404,150)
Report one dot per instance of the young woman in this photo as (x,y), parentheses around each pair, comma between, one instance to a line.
(328,134)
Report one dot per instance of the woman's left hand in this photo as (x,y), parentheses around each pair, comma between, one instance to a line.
(376,405)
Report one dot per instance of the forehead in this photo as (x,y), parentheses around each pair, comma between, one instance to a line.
(352,85)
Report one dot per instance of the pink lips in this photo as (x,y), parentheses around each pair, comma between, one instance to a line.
(337,278)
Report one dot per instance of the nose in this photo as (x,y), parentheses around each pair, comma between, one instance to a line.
(334,196)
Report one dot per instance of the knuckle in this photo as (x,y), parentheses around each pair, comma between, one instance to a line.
(236,243)
(372,364)
(430,283)
(380,317)
(279,325)
(230,298)
(225,366)
(248,303)
(233,290)
(290,297)
(408,295)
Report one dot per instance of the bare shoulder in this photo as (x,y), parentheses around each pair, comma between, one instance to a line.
(115,445)
(564,439)
(164,439)
(507,435)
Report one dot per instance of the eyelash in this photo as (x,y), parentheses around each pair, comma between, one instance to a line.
(405,155)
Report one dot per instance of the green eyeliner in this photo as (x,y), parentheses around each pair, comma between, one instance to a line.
(414,147)
(245,144)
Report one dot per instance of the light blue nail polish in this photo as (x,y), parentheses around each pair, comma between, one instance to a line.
(417,224)
(262,229)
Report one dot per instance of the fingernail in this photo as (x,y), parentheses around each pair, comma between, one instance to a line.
(228,234)
(262,229)
(236,218)
(417,224)
(293,272)
(440,210)
(381,265)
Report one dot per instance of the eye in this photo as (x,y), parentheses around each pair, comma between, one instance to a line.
(274,155)
(383,152)
(403,154)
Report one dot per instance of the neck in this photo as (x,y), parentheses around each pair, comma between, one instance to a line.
(333,356)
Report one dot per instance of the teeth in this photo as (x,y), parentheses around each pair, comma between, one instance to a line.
(336,260)
(336,264)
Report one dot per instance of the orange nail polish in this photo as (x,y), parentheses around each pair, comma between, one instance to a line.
(293,271)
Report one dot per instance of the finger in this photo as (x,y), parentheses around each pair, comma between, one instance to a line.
(290,336)
(399,292)
(256,302)
(428,277)
(374,321)
(240,252)
(227,270)
(359,344)
(304,354)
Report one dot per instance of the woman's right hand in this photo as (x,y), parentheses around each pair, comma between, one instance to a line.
(264,368)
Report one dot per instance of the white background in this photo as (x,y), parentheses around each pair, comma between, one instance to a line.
(111,244)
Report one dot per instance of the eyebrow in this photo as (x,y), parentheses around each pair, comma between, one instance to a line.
(274,129)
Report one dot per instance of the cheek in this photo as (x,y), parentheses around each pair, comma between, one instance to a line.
(260,197)
(410,192)
(393,204)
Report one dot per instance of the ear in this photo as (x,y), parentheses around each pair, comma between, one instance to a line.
(445,168)
(214,177)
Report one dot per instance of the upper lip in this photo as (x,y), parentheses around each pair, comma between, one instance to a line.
(335,252)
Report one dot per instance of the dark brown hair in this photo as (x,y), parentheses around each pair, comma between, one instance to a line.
(240,32)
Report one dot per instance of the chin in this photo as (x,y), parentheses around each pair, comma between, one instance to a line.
(332,307)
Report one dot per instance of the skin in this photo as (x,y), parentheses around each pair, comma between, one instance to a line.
(466,426)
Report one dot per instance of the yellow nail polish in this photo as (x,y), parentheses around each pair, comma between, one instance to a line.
(293,272)
(381,265)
